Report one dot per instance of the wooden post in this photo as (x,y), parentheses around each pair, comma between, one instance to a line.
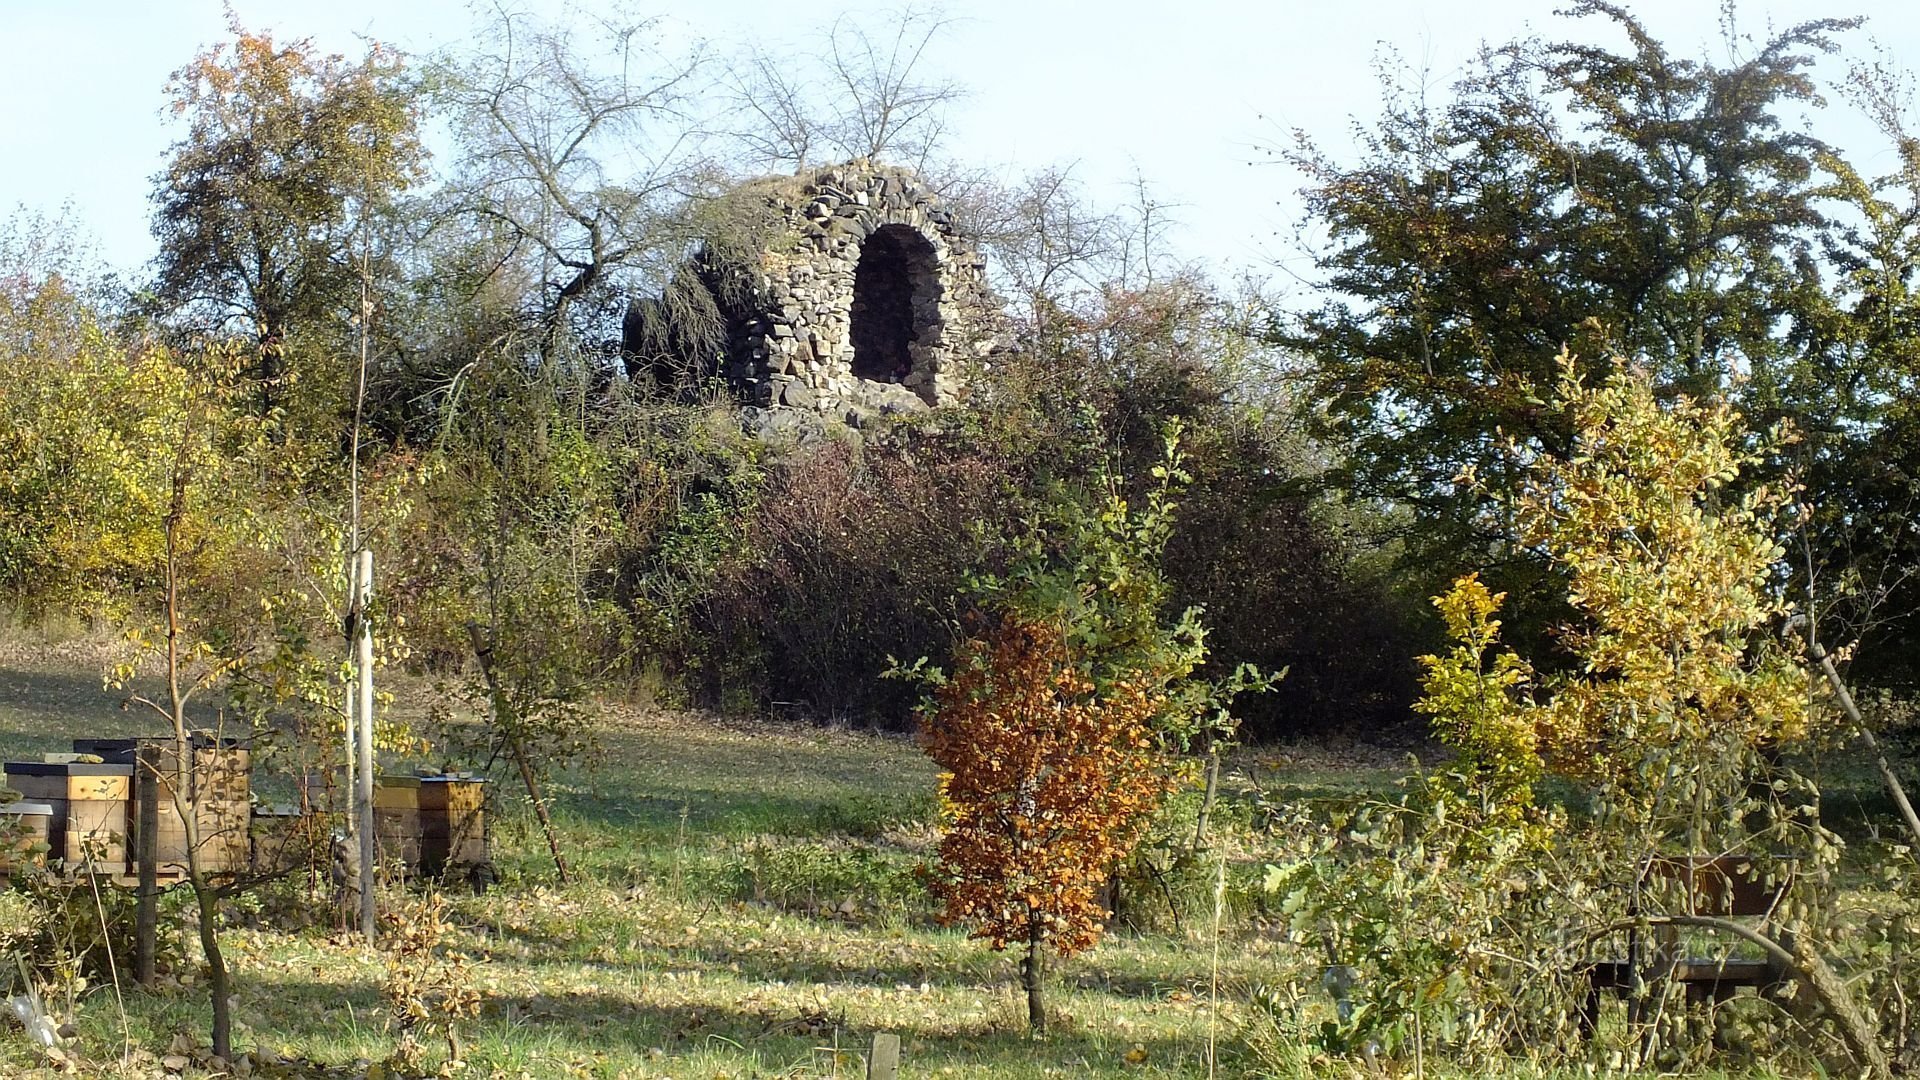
(343,800)
(146,919)
(363,795)
(883,1062)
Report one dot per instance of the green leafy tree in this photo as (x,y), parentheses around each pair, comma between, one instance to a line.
(264,209)
(1673,715)
(1632,203)
(512,555)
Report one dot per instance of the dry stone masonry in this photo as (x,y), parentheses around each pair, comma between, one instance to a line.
(851,295)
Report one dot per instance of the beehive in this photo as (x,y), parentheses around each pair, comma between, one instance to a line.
(87,825)
(453,824)
(396,820)
(218,787)
(282,838)
(433,825)
(23,835)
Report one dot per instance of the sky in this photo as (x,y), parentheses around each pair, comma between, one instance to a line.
(1183,93)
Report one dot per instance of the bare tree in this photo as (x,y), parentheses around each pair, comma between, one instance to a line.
(1050,248)
(578,149)
(865,94)
(882,109)
(782,126)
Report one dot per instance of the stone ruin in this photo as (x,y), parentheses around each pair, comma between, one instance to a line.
(846,293)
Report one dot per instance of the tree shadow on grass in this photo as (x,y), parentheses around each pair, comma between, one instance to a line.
(856,962)
(44,711)
(515,1028)
(782,1036)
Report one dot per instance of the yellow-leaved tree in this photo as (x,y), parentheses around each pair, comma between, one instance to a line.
(137,492)
(1681,695)
(1672,574)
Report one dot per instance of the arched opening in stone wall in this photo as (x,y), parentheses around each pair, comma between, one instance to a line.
(895,303)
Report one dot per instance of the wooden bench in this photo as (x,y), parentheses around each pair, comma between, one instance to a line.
(1717,887)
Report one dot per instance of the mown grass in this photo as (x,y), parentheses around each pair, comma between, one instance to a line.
(748,906)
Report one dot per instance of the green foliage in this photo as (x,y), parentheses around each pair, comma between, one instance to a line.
(1471,701)
(827,877)
(1630,203)
(1091,560)
(1440,926)
(262,211)
(1440,912)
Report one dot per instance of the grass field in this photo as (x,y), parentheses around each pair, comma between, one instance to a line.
(748,907)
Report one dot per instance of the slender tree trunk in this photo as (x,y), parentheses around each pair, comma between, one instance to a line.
(1207,797)
(1033,976)
(1891,782)
(219,982)
(1818,977)
(508,724)
(363,741)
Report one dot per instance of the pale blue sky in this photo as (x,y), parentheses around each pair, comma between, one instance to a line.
(1181,90)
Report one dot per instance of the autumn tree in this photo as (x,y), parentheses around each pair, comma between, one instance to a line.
(1672,570)
(159,519)
(263,209)
(1048,784)
(1681,695)
(68,457)
(1061,728)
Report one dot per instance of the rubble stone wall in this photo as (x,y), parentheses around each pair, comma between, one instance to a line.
(869,303)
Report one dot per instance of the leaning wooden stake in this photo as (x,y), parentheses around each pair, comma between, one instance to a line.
(508,725)
(1892,783)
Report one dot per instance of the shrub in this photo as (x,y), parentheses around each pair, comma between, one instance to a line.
(1049,782)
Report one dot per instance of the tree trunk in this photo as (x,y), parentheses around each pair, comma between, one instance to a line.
(1818,977)
(539,801)
(218,981)
(363,740)
(1895,791)
(1032,976)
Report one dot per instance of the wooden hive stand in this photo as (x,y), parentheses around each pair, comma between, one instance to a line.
(1723,887)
